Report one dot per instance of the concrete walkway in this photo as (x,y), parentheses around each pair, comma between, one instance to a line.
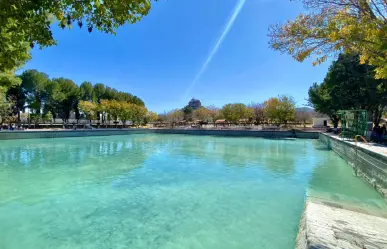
(374,147)
(329,226)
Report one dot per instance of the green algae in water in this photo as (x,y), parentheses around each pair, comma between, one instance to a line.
(166,191)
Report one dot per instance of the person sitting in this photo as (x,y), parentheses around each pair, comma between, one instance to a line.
(377,133)
(383,130)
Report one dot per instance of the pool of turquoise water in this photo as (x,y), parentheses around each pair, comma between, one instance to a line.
(166,191)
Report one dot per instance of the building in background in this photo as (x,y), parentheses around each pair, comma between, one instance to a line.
(194,104)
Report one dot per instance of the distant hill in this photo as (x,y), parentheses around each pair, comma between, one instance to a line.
(304,109)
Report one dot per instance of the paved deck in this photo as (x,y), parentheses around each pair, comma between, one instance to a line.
(374,147)
(330,226)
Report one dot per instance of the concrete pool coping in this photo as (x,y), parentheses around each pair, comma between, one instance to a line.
(371,146)
(330,225)
(326,225)
(369,162)
(27,134)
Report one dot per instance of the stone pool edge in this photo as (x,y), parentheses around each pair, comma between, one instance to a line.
(369,165)
(10,135)
(330,226)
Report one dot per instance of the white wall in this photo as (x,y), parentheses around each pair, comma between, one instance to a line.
(319,122)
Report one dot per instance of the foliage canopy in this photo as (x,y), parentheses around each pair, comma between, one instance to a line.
(26,23)
(349,85)
(234,113)
(334,26)
(280,109)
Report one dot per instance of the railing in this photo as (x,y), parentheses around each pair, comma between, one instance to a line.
(364,140)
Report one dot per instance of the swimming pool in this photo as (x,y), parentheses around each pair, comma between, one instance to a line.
(166,191)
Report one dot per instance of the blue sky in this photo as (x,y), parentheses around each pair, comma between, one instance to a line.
(158,58)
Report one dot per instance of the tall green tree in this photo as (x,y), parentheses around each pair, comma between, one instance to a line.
(54,97)
(8,79)
(349,85)
(188,113)
(123,96)
(136,100)
(321,100)
(5,111)
(86,91)
(99,92)
(110,93)
(67,97)
(17,96)
(34,84)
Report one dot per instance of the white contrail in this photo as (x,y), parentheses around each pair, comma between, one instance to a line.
(226,29)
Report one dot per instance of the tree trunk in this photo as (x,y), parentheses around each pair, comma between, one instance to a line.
(335,122)
(376,116)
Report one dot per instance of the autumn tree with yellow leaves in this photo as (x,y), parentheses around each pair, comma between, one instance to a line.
(331,27)
(279,110)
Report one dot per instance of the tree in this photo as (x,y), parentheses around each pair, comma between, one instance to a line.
(202,114)
(112,108)
(54,97)
(5,111)
(110,93)
(126,112)
(214,113)
(235,112)
(66,98)
(139,114)
(287,109)
(98,92)
(88,108)
(47,117)
(8,79)
(302,116)
(349,85)
(17,96)
(258,112)
(34,84)
(123,110)
(151,117)
(188,113)
(24,23)
(175,116)
(353,86)
(60,96)
(321,101)
(279,110)
(271,110)
(335,26)
(136,100)
(86,91)
(123,96)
